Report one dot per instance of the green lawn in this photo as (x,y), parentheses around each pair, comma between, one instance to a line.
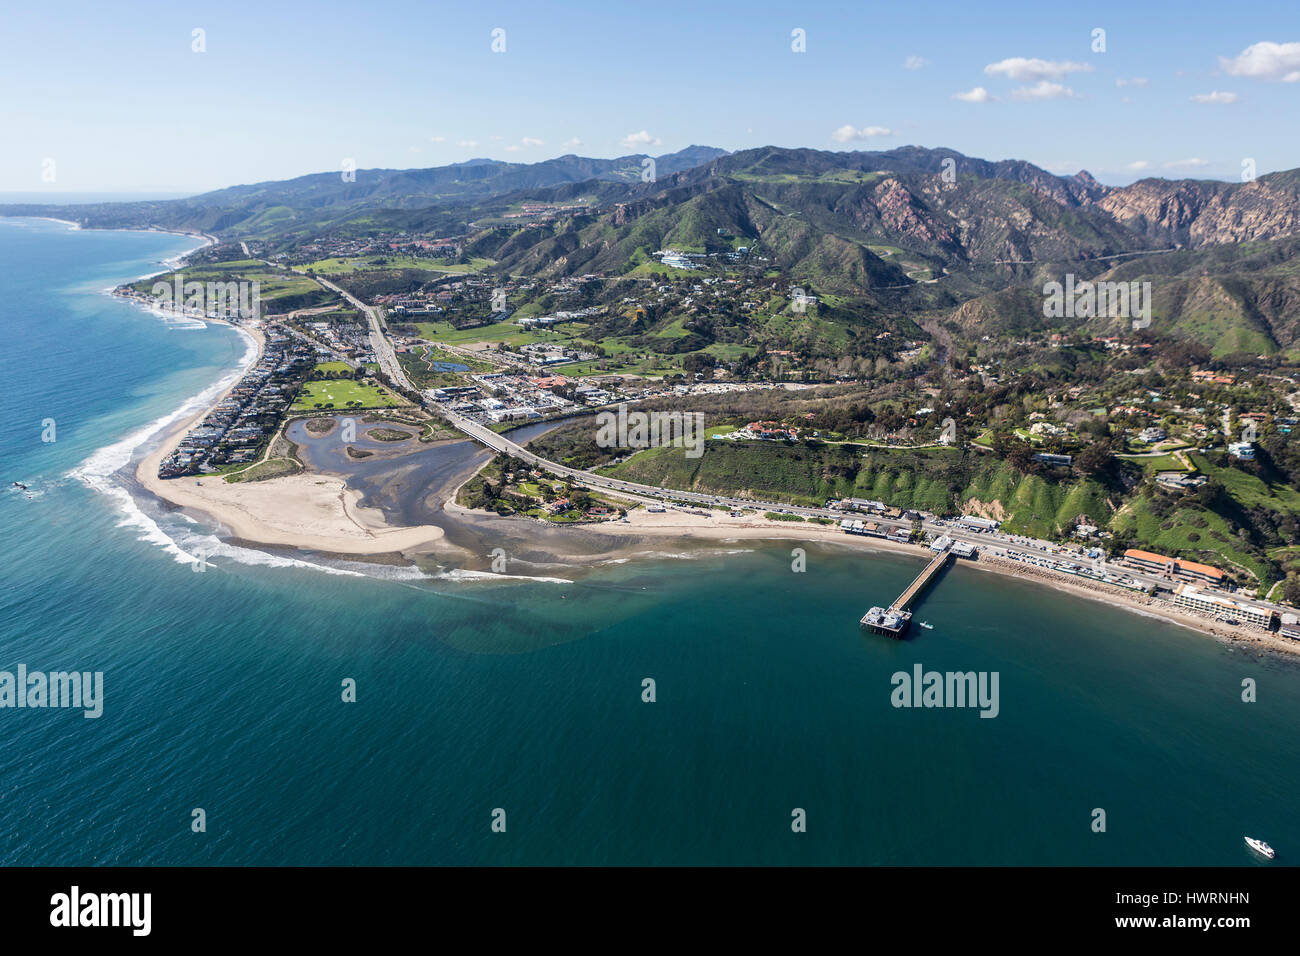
(431,353)
(654,266)
(507,332)
(344,393)
(1157,463)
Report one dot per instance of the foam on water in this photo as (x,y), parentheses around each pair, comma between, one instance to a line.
(102,464)
(99,470)
(204,546)
(463,574)
(189,545)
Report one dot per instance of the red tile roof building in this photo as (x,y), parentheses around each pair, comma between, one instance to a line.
(1175,567)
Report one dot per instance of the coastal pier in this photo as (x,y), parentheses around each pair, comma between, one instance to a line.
(894,620)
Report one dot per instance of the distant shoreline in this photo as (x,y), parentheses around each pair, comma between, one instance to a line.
(66,222)
(207,239)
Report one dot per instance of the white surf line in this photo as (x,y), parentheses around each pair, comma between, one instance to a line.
(97,471)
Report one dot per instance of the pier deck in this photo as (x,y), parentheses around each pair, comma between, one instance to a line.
(895,619)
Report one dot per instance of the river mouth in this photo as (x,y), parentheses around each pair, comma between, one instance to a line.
(407,480)
(411,482)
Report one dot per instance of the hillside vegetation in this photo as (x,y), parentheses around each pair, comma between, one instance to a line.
(939,480)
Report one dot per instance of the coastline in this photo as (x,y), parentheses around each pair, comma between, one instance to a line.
(308,511)
(721,529)
(320,513)
(66,222)
(78,227)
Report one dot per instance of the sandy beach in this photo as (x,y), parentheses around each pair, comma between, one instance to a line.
(319,512)
(314,512)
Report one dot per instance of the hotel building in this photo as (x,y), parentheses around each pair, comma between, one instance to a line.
(1173,567)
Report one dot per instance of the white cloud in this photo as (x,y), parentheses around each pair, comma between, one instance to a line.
(633,140)
(1131,81)
(512,148)
(1216,97)
(415,149)
(1030,70)
(531,141)
(569,143)
(468,144)
(1042,90)
(915,62)
(1192,163)
(1265,60)
(437,139)
(977,95)
(848,133)
(1139,165)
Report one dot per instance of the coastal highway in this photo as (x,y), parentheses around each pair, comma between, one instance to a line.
(1001,544)
(496,442)
(997,543)
(500,443)
(379,343)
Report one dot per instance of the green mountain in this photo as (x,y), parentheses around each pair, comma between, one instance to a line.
(907,230)
(1241,298)
(320,201)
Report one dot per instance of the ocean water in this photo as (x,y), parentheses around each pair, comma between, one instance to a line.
(222,689)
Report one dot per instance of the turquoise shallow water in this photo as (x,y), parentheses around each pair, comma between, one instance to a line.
(222,689)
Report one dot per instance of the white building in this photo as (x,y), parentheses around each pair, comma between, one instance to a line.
(975,523)
(1190,596)
(1242,450)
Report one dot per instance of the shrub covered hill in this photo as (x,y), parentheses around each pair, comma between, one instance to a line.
(908,230)
(929,270)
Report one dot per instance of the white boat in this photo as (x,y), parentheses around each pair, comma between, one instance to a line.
(927,625)
(1260,847)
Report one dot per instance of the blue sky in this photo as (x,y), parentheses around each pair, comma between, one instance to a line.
(117,98)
